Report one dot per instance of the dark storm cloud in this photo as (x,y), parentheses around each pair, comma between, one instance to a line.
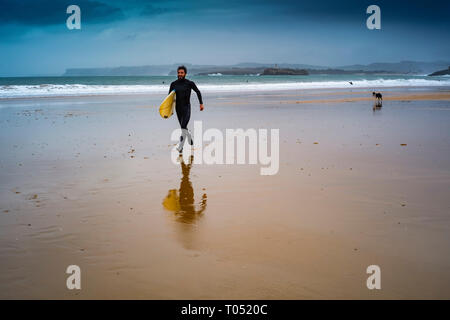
(51,12)
(401,11)
(434,11)
(48,12)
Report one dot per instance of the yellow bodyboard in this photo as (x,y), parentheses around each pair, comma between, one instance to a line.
(167,106)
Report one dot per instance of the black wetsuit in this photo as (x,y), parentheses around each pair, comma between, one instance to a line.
(183,89)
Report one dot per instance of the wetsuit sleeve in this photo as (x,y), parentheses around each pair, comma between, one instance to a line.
(171,88)
(199,95)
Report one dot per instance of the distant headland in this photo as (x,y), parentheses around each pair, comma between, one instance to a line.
(441,72)
(250,68)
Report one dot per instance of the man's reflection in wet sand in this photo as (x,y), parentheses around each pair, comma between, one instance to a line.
(181,203)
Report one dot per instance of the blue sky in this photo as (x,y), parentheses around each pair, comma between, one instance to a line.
(34,39)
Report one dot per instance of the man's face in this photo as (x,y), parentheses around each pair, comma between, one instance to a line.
(181,74)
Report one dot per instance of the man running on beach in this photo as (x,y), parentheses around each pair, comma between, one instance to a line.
(183,87)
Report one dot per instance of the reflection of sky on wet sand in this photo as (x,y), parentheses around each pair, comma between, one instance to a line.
(181,204)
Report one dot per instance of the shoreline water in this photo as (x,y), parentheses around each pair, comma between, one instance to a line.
(436,92)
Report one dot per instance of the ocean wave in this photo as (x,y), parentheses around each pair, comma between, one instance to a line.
(55,90)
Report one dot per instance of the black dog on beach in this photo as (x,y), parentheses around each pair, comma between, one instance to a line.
(378,96)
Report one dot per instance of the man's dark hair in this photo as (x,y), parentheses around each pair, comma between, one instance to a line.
(183,68)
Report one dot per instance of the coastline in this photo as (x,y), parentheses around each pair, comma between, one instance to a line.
(403,93)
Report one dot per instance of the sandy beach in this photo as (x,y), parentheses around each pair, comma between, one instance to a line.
(84,181)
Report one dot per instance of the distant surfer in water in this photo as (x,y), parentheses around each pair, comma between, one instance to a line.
(183,87)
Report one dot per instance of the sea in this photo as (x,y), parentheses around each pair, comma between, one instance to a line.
(29,87)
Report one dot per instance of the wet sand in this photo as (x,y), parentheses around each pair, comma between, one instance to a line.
(89,181)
